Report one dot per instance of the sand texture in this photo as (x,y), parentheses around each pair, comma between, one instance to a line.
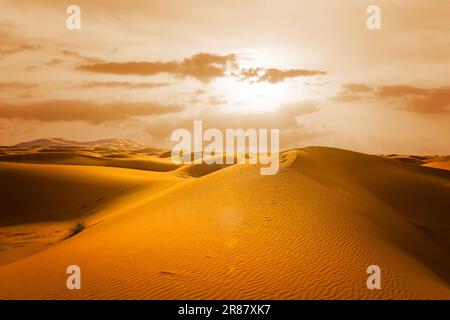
(155,230)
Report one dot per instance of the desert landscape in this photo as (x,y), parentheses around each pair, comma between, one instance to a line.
(141,227)
(123,125)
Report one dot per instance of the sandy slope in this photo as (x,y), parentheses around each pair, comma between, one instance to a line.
(308,232)
(92,159)
(439,162)
(442,162)
(445,165)
(40,204)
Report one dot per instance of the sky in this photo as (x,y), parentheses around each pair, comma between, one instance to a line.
(141,69)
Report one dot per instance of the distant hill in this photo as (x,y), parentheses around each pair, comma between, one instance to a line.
(119,144)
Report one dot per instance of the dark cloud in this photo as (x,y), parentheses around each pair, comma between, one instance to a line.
(19,49)
(17,86)
(353,91)
(421,100)
(122,84)
(133,68)
(407,97)
(356,88)
(273,75)
(206,66)
(81,57)
(202,66)
(69,110)
(400,91)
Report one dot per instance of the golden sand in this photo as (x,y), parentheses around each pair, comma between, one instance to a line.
(309,232)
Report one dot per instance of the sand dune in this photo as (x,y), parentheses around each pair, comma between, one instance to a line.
(445,165)
(307,233)
(40,204)
(91,158)
(116,144)
(440,162)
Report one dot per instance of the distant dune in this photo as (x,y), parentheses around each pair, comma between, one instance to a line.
(442,162)
(439,162)
(120,144)
(146,160)
(223,232)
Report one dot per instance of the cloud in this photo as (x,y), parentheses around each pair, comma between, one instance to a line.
(202,66)
(406,97)
(356,88)
(353,91)
(53,62)
(206,66)
(300,108)
(79,56)
(30,68)
(70,110)
(400,91)
(285,119)
(7,35)
(273,75)
(216,100)
(122,84)
(133,68)
(19,49)
(17,86)
(421,100)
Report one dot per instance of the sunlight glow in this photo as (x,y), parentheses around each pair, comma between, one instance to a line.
(244,96)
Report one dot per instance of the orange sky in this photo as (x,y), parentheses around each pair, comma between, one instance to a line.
(139,69)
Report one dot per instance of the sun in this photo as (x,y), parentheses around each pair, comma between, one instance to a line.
(245,96)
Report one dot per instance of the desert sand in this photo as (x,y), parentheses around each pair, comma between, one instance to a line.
(153,230)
